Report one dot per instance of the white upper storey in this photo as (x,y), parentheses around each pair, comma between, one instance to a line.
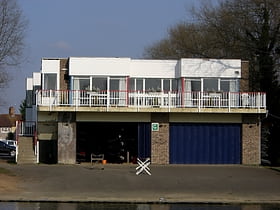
(140,68)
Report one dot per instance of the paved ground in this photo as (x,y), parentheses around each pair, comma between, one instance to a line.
(119,183)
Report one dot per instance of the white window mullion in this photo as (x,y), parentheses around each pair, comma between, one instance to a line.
(90,83)
(43,81)
(108,83)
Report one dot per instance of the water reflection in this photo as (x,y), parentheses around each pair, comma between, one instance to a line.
(116,206)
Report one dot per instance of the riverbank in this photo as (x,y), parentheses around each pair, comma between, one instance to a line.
(119,183)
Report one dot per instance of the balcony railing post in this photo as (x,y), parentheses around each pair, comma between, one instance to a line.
(50,95)
(169,101)
(199,101)
(108,99)
(259,101)
(138,100)
(76,97)
(229,101)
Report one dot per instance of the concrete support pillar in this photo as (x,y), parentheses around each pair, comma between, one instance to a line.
(251,140)
(160,139)
(66,138)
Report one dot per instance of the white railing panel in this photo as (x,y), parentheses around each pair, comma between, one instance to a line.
(25,128)
(151,99)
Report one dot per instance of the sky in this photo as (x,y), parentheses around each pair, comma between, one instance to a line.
(91,28)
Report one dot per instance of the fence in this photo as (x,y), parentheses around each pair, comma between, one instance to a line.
(25,128)
(142,99)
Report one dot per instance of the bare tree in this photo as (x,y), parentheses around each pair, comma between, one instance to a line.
(12,31)
(246,29)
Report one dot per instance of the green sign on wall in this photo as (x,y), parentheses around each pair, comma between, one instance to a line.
(155,126)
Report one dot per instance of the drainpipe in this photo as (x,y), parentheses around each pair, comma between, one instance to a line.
(38,152)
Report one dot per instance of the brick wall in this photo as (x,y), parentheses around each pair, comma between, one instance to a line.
(250,126)
(64,82)
(160,139)
(244,82)
(251,140)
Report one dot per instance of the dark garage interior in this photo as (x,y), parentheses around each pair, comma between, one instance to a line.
(118,141)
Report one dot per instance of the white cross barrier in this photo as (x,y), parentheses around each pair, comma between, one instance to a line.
(143,166)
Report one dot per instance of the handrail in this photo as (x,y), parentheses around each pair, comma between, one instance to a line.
(25,128)
(142,99)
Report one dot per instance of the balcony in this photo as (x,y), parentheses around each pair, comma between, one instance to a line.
(132,101)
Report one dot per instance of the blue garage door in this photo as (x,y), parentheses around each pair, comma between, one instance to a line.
(144,140)
(205,143)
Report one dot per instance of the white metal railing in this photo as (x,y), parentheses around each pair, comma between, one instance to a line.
(142,99)
(25,128)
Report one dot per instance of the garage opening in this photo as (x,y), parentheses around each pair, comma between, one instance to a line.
(117,141)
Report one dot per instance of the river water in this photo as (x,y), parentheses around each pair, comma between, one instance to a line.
(123,206)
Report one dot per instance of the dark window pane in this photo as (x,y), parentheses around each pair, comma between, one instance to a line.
(196,85)
(50,82)
(131,84)
(139,84)
(114,84)
(166,85)
(84,84)
(210,84)
(99,84)
(225,86)
(153,84)
(174,85)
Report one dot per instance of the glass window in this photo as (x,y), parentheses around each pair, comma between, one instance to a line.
(5,130)
(174,84)
(196,85)
(153,84)
(166,85)
(114,84)
(50,81)
(139,84)
(118,84)
(132,84)
(210,84)
(29,98)
(225,85)
(35,88)
(99,84)
(82,83)
(229,85)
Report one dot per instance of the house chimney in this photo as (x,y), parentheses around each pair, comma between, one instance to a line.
(11,111)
